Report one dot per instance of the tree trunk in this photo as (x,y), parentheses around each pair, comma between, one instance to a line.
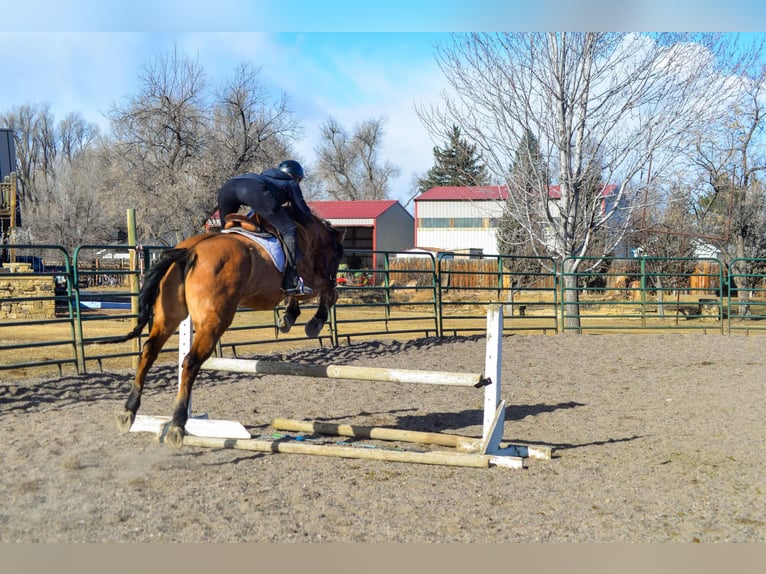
(744,284)
(744,287)
(571,298)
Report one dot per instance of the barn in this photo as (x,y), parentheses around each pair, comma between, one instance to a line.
(465,219)
(459,219)
(378,225)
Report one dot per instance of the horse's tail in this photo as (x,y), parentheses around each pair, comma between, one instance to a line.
(151,290)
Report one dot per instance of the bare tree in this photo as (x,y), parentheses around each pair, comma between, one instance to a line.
(179,140)
(349,166)
(250,130)
(732,211)
(78,209)
(76,136)
(170,147)
(59,205)
(36,149)
(161,135)
(619,105)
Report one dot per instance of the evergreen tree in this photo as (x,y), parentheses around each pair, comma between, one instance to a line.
(528,166)
(456,164)
(517,237)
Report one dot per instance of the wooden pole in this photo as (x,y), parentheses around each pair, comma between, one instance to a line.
(438,457)
(13,222)
(346,372)
(377,433)
(134,266)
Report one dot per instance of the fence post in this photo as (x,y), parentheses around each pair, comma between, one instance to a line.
(134,266)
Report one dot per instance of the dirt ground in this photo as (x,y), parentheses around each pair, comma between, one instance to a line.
(656,438)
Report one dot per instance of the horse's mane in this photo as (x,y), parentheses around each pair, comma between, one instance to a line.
(303,233)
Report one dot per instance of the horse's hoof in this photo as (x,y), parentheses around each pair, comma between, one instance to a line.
(285,326)
(175,436)
(313,328)
(125,420)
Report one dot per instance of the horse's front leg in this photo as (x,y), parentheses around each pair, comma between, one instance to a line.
(315,324)
(291,314)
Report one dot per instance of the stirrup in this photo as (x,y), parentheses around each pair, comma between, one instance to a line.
(299,289)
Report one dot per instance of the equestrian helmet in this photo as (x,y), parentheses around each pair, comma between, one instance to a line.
(291,168)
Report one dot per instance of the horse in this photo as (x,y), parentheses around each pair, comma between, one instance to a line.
(208,276)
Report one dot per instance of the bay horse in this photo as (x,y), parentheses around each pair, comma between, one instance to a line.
(208,276)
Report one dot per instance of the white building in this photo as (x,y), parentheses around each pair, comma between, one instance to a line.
(459,219)
(466,219)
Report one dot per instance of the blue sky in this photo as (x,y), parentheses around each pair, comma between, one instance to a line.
(350,59)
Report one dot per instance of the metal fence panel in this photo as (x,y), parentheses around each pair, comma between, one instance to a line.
(37,308)
(399,296)
(525,286)
(643,293)
(746,297)
(94,294)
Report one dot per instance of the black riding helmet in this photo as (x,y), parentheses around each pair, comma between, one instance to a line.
(291,168)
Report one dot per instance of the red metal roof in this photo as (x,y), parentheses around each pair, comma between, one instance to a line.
(357,209)
(476,193)
(487,193)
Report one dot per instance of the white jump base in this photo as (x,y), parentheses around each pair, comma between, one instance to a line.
(202,431)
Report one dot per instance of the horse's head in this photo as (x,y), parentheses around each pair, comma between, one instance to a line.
(325,249)
(331,248)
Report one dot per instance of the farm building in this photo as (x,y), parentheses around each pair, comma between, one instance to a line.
(465,219)
(378,225)
(459,219)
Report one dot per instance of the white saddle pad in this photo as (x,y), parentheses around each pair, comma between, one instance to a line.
(270,243)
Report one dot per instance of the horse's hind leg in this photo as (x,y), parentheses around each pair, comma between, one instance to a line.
(202,347)
(158,336)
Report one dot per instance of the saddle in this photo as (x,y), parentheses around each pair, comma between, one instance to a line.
(256,229)
(253,224)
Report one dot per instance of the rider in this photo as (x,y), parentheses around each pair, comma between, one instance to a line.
(265,194)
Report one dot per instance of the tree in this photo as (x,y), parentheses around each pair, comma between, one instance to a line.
(732,208)
(79,209)
(250,131)
(59,186)
(170,147)
(76,136)
(664,232)
(600,103)
(349,165)
(178,139)
(456,164)
(160,135)
(36,149)
(513,239)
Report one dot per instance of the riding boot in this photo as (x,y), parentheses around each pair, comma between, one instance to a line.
(292,283)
